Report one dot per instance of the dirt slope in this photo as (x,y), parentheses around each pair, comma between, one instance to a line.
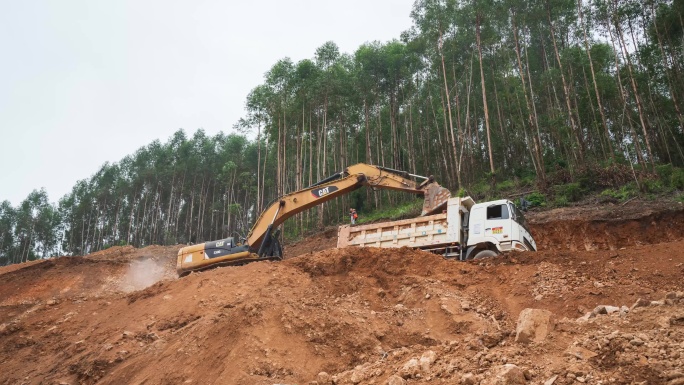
(368,316)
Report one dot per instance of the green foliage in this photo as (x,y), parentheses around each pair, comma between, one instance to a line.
(536,199)
(664,171)
(677,179)
(651,186)
(506,185)
(561,201)
(571,192)
(622,193)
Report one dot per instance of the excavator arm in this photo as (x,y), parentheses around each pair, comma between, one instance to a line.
(261,244)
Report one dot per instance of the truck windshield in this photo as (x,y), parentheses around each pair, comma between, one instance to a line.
(519,217)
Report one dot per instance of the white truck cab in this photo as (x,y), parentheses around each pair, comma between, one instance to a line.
(495,227)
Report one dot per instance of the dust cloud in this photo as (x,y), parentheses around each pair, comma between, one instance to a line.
(142,274)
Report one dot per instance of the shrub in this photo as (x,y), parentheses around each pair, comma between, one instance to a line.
(561,201)
(652,186)
(571,191)
(677,179)
(536,199)
(664,171)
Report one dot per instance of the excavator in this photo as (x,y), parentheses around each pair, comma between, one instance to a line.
(262,241)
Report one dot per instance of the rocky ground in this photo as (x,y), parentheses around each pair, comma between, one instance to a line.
(602,302)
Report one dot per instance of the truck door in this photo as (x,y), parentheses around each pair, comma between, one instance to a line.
(498,222)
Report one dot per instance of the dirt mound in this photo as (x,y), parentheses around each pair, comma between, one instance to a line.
(322,241)
(608,227)
(355,316)
(104,272)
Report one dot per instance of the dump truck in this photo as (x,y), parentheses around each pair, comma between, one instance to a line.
(464,230)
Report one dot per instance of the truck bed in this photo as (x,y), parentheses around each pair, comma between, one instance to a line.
(422,232)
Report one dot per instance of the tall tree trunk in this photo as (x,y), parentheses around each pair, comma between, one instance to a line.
(484,103)
(566,90)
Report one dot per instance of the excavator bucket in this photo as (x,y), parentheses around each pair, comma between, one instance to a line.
(436,198)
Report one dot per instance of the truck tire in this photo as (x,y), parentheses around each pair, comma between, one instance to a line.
(485,253)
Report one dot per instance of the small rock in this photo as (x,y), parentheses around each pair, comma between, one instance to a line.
(673,375)
(612,309)
(586,317)
(539,297)
(427,359)
(395,380)
(410,369)
(324,378)
(427,296)
(677,320)
(358,375)
(468,379)
(640,303)
(508,374)
(127,334)
(657,303)
(600,309)
(529,374)
(108,347)
(51,302)
(580,352)
(551,380)
(671,295)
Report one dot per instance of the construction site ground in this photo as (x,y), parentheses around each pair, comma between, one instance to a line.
(607,283)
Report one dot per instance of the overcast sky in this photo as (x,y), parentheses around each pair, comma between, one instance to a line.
(87,82)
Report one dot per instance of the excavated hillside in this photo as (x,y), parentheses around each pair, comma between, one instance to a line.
(602,302)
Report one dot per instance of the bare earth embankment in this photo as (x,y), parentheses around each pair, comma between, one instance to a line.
(364,316)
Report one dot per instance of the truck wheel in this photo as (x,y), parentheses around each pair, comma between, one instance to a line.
(485,254)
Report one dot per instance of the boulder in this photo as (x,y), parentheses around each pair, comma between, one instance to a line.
(427,359)
(410,369)
(533,325)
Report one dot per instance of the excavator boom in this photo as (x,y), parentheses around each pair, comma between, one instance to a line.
(261,244)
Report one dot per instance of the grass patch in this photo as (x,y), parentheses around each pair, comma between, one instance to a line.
(408,210)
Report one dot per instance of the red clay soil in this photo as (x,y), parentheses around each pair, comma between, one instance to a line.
(355,316)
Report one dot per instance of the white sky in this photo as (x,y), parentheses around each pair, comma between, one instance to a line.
(84,82)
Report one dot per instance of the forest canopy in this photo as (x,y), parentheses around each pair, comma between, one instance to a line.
(475,90)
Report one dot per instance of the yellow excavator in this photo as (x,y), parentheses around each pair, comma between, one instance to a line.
(262,242)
